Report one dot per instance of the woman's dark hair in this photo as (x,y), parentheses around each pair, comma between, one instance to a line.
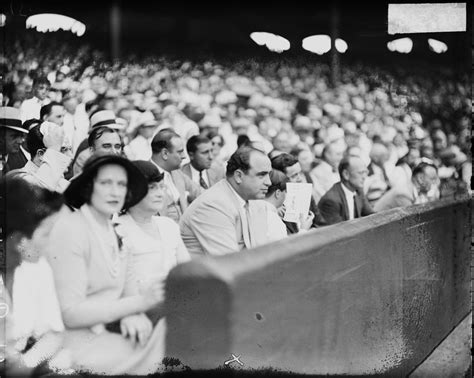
(278,180)
(25,206)
(86,193)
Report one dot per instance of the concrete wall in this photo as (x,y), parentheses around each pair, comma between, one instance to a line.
(370,296)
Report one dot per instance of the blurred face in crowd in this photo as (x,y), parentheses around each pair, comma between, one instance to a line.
(413,156)
(57,115)
(426,179)
(334,154)
(175,155)
(254,184)
(70,105)
(281,142)
(147,131)
(379,154)
(294,173)
(306,158)
(41,91)
(13,141)
(202,158)
(216,145)
(354,176)
(109,189)
(439,141)
(153,201)
(108,142)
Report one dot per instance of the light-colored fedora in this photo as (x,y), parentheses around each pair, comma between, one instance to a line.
(10,118)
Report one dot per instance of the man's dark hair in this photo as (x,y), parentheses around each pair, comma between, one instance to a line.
(278,180)
(29,123)
(46,109)
(240,159)
(344,165)
(41,80)
(193,143)
(34,141)
(97,132)
(243,140)
(421,168)
(283,161)
(162,140)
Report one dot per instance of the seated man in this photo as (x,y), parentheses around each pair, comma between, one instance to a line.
(103,136)
(290,165)
(346,199)
(423,179)
(200,168)
(224,219)
(49,159)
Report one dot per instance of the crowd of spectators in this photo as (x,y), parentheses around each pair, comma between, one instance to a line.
(208,142)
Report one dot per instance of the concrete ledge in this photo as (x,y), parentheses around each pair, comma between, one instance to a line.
(452,358)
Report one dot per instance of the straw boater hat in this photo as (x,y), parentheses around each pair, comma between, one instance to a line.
(106,118)
(10,119)
(137,184)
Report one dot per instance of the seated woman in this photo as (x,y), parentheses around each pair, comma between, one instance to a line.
(154,242)
(89,263)
(33,338)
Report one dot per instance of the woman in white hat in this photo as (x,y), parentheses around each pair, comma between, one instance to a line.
(89,261)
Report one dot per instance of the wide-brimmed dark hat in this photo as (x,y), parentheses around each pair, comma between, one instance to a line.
(137,183)
(149,170)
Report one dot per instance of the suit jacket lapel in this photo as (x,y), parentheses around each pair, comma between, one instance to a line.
(358,205)
(344,201)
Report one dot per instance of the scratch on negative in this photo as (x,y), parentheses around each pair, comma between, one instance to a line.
(338,275)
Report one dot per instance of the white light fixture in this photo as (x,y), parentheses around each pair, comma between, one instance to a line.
(437,46)
(341,45)
(401,45)
(273,42)
(47,22)
(318,44)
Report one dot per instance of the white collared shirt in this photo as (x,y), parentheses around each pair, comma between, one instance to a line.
(195,176)
(349,199)
(241,201)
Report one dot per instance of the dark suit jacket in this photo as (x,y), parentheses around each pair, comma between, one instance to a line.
(334,209)
(15,160)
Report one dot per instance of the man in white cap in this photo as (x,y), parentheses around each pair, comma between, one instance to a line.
(12,135)
(103,136)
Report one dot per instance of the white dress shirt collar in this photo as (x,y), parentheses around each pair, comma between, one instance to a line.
(349,199)
(240,200)
(195,175)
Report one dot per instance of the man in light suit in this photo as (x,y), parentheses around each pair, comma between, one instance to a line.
(345,200)
(200,169)
(224,219)
(167,154)
(423,178)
